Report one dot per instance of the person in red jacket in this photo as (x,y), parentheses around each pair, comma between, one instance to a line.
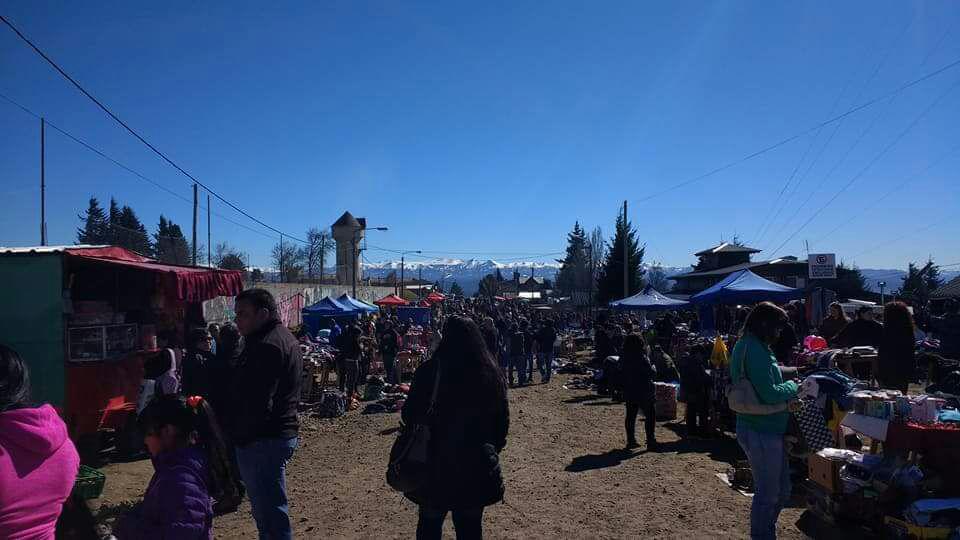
(38,463)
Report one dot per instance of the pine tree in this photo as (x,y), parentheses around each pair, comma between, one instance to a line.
(920,282)
(610,283)
(133,234)
(114,232)
(574,271)
(94,231)
(170,245)
(850,282)
(456,289)
(489,286)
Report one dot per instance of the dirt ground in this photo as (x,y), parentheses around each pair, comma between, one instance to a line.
(566,477)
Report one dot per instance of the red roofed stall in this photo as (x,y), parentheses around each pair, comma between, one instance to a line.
(86,318)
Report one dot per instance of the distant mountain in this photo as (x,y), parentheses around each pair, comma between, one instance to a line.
(894,278)
(467,273)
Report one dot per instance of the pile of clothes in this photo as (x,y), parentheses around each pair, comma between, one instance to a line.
(572,368)
(332,404)
(386,398)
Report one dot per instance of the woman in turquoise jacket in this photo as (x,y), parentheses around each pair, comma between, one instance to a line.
(761,436)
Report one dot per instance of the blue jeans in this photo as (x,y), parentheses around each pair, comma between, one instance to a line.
(546,364)
(467,522)
(263,465)
(771,479)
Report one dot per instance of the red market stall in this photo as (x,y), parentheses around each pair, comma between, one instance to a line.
(391,300)
(435,297)
(88,316)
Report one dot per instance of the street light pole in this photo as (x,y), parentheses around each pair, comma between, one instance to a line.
(881,284)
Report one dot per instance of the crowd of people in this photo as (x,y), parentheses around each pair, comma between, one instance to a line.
(222,423)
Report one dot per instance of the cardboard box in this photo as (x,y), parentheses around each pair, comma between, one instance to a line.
(901,529)
(824,472)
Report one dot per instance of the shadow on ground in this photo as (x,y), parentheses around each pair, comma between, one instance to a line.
(592,462)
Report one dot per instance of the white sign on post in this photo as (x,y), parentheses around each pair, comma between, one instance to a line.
(822,265)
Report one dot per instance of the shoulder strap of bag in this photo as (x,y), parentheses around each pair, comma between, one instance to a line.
(436,388)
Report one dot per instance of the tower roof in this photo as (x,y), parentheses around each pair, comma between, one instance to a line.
(347,220)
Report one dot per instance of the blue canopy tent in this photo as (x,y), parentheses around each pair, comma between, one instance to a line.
(745,287)
(325,309)
(359,305)
(649,299)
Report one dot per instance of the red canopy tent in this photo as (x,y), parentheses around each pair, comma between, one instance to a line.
(435,297)
(391,300)
(183,283)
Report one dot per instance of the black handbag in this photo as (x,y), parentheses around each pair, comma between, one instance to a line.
(409,464)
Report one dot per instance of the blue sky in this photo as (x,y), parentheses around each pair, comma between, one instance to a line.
(486,129)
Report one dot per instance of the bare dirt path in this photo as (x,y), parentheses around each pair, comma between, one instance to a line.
(565,476)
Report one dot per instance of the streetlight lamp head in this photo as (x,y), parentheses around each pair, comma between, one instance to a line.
(381,229)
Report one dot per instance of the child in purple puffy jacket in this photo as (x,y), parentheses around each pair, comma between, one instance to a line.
(190,469)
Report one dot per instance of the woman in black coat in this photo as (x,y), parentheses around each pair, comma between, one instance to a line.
(637,376)
(468,427)
(895,362)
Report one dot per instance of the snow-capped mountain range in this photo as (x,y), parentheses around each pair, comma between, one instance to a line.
(468,273)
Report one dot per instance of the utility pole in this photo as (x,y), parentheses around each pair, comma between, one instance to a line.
(881,284)
(209,242)
(353,264)
(43,183)
(420,281)
(194,224)
(626,254)
(401,275)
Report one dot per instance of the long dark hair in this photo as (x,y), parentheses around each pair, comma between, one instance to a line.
(470,378)
(14,380)
(898,324)
(194,416)
(634,348)
(764,320)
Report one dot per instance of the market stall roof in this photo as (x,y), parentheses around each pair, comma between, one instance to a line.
(950,290)
(187,283)
(745,287)
(359,305)
(391,300)
(435,297)
(329,306)
(649,299)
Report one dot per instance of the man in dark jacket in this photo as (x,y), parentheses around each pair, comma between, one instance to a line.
(266,396)
(861,332)
(545,339)
(389,343)
(517,355)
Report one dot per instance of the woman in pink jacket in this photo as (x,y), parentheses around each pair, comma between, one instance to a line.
(38,463)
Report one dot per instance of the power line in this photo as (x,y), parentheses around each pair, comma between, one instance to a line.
(796,136)
(903,237)
(872,162)
(105,156)
(137,135)
(896,188)
(883,60)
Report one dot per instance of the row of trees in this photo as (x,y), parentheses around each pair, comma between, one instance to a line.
(120,226)
(298,262)
(593,267)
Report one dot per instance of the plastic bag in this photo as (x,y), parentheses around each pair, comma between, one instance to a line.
(719,357)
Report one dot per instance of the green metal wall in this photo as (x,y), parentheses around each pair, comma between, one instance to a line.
(31,319)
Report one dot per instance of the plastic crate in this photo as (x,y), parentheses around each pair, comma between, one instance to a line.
(89,483)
